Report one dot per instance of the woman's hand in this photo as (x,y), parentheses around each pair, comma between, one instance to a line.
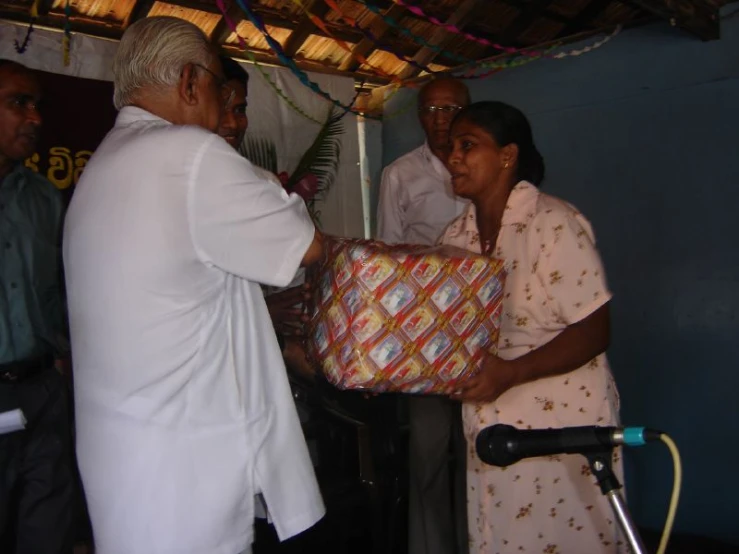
(297,361)
(495,377)
(286,309)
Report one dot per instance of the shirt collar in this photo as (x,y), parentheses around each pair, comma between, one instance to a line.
(134,114)
(520,208)
(15,176)
(436,164)
(521,205)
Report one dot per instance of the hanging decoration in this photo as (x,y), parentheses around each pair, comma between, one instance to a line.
(379,43)
(301,75)
(402,29)
(589,48)
(520,57)
(277,89)
(67,38)
(456,30)
(497,65)
(21,47)
(318,22)
(289,62)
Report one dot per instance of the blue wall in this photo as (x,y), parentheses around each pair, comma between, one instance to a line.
(643,136)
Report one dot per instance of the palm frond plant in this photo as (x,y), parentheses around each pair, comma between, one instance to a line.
(260,151)
(316,171)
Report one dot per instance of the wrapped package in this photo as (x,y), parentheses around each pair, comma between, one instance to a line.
(403,318)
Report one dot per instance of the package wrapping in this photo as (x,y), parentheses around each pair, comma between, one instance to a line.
(403,318)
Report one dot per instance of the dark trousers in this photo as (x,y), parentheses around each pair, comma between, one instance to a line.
(36,468)
(437,501)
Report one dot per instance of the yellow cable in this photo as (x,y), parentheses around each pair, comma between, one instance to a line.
(675,492)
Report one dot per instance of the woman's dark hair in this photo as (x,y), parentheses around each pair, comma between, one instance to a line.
(507,125)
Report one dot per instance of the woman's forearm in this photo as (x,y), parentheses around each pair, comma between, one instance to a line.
(572,348)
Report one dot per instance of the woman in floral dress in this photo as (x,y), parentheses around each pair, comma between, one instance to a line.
(550,369)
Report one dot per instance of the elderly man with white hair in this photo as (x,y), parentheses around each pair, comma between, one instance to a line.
(183,408)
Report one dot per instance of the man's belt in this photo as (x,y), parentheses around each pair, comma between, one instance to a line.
(13,372)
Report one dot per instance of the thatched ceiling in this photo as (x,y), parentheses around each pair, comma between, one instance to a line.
(359,25)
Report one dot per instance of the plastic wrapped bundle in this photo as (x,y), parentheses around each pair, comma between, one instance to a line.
(403,318)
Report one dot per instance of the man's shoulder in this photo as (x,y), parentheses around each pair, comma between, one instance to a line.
(408,161)
(40,185)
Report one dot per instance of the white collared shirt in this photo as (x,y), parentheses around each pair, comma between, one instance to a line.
(416,199)
(183,407)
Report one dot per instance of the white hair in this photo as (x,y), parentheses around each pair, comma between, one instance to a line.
(153,51)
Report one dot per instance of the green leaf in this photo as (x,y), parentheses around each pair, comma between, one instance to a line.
(323,155)
(260,151)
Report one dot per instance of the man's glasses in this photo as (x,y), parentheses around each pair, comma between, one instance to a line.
(444,110)
(226,91)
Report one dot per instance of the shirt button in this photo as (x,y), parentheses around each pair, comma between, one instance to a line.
(7,245)
(13,286)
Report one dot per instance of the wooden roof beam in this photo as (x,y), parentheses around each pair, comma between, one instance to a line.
(695,16)
(140,10)
(538,9)
(527,15)
(305,28)
(379,29)
(222,31)
(582,20)
(441,38)
(268,57)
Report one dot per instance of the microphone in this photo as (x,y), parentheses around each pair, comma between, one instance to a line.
(503,445)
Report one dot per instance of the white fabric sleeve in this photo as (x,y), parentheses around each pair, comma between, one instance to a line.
(242,223)
(389,210)
(569,266)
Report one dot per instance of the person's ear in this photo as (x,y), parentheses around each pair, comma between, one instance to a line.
(187,86)
(509,155)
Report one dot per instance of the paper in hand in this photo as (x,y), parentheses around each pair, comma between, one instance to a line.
(12,421)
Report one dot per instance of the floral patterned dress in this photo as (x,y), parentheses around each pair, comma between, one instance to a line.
(555,278)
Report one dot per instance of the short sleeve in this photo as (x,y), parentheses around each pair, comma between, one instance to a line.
(389,210)
(241,222)
(569,266)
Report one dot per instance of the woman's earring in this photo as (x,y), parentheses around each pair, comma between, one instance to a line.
(505,166)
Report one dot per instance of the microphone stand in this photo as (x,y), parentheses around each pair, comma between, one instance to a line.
(600,465)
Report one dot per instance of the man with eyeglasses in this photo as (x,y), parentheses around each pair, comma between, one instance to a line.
(184,411)
(416,203)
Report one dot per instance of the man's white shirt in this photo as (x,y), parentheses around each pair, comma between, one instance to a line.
(416,199)
(184,410)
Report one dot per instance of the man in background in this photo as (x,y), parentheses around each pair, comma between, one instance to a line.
(416,203)
(36,465)
(183,411)
(234,121)
(286,308)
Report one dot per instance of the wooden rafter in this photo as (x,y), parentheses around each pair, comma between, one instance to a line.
(194,5)
(528,14)
(583,19)
(305,28)
(379,29)
(268,57)
(441,38)
(140,10)
(222,31)
(538,9)
(44,7)
(695,16)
